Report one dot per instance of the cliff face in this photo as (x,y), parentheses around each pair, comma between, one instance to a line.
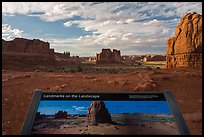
(98,113)
(185,47)
(154,58)
(107,56)
(61,115)
(24,53)
(20,45)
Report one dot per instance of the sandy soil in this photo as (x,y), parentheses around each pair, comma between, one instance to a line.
(155,128)
(128,124)
(18,89)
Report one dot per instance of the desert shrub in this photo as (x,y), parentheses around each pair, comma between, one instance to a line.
(158,68)
(36,70)
(139,64)
(66,70)
(79,69)
(72,70)
(50,70)
(113,71)
(149,68)
(100,70)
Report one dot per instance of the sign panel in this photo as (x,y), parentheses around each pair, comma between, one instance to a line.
(104,114)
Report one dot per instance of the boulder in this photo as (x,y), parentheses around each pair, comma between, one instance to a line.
(98,113)
(185,47)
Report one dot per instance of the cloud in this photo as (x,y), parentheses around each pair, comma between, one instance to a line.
(9,34)
(68,24)
(151,25)
(120,25)
(125,37)
(152,22)
(77,108)
(129,11)
(129,20)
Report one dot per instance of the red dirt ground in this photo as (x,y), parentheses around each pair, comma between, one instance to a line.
(18,89)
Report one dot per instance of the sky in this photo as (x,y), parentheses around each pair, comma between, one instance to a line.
(84,28)
(114,107)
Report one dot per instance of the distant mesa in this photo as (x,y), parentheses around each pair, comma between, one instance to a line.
(22,53)
(98,113)
(78,115)
(39,116)
(21,45)
(60,115)
(25,53)
(107,56)
(185,47)
(154,58)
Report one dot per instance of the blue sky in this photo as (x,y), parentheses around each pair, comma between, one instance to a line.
(114,107)
(84,28)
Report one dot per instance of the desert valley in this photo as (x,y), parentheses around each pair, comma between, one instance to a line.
(31,64)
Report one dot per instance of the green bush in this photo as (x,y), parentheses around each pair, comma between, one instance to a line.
(72,70)
(79,69)
(149,68)
(113,71)
(139,64)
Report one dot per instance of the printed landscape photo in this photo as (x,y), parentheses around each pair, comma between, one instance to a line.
(102,47)
(105,118)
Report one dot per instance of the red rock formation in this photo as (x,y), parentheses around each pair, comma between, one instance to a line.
(98,113)
(65,59)
(185,48)
(116,57)
(133,58)
(60,115)
(23,53)
(107,56)
(21,45)
(154,58)
(39,116)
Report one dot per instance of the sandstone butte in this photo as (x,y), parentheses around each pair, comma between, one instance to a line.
(21,45)
(61,115)
(30,53)
(184,49)
(24,53)
(107,56)
(98,113)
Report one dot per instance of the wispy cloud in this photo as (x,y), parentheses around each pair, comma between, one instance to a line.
(9,33)
(125,26)
(79,108)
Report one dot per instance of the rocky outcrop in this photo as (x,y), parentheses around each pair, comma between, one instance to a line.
(39,116)
(185,48)
(98,113)
(63,55)
(23,53)
(116,57)
(154,58)
(28,54)
(21,45)
(107,56)
(60,115)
